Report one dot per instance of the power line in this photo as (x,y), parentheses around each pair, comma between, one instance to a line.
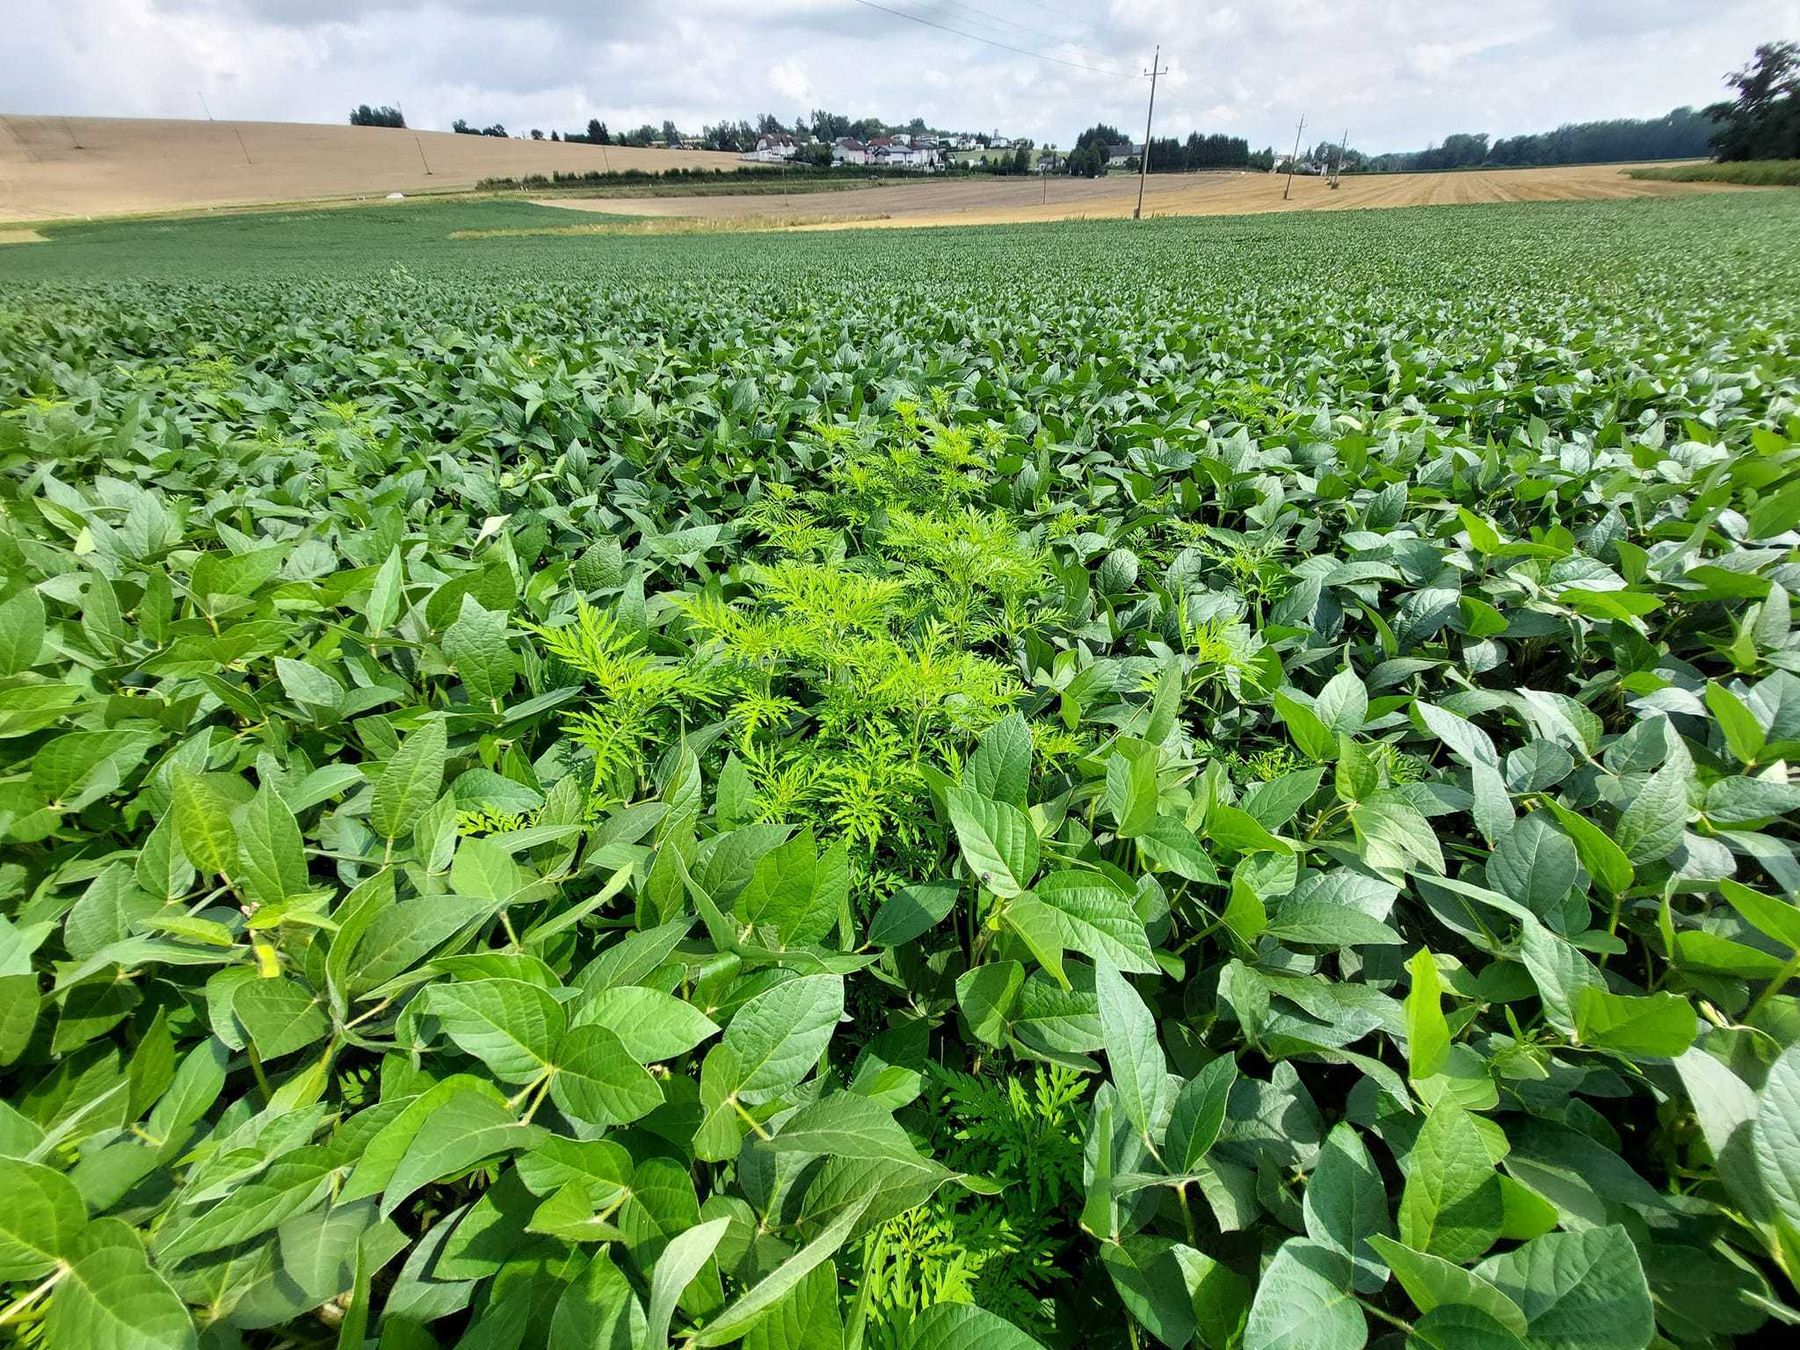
(994,20)
(1073,18)
(1003,46)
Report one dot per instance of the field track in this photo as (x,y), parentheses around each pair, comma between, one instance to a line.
(1002,200)
(61,168)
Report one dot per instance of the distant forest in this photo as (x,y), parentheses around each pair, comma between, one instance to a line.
(1684,133)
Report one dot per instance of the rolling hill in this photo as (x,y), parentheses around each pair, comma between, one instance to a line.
(60,168)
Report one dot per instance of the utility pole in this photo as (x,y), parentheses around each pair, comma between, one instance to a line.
(419,145)
(204,105)
(1144,160)
(1288,190)
(1337,170)
(241,145)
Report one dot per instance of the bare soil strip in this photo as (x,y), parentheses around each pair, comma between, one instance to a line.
(1008,200)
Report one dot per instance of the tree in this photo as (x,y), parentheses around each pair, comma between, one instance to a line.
(364,116)
(828,126)
(671,137)
(536,135)
(1021,159)
(555,136)
(768,124)
(1763,121)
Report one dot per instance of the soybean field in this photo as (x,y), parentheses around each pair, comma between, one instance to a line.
(1217,783)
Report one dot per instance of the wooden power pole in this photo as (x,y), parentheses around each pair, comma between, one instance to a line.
(1337,170)
(1287,191)
(1144,159)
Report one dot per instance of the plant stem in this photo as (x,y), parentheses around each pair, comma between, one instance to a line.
(23,1302)
(1774,987)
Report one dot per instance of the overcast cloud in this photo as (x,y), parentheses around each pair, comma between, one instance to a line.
(1397,73)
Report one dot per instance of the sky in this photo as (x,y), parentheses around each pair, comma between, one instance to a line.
(1397,74)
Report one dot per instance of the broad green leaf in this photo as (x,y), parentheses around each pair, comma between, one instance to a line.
(1650,827)
(271,859)
(1432,1282)
(653,1025)
(1097,919)
(461,1130)
(509,1025)
(845,1125)
(410,781)
(279,1015)
(988,996)
(1457,1326)
(1451,1206)
(963,1326)
(997,840)
(684,1258)
(112,1300)
(1000,768)
(1582,1288)
(1660,1024)
(1199,1114)
(1131,790)
(1304,1302)
(1134,1057)
(911,912)
(779,1283)
(21,631)
(1427,1032)
(1535,864)
(777,1037)
(203,824)
(1775,1135)
(476,646)
(1345,1204)
(41,1221)
(597,1080)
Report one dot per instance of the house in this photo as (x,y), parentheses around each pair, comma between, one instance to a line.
(1116,155)
(849,150)
(773,149)
(1000,143)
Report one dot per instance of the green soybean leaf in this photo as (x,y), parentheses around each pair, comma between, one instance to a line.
(680,1262)
(1451,1206)
(279,1015)
(1134,1057)
(1303,1302)
(777,1037)
(410,781)
(1651,1024)
(1345,1204)
(1582,1288)
(598,1081)
(41,1221)
(509,1025)
(997,840)
(112,1300)
(963,1326)
(652,1025)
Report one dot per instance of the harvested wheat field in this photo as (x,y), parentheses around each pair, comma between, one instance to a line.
(60,168)
(993,201)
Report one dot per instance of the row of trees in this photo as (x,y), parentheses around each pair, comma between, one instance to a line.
(362,115)
(1680,134)
(1169,155)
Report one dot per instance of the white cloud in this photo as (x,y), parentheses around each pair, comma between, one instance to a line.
(1398,73)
